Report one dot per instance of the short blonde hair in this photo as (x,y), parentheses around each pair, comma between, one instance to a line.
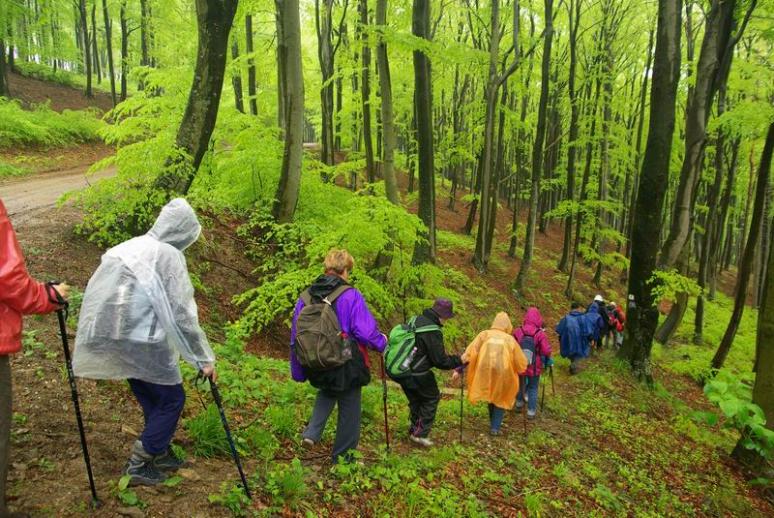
(339,261)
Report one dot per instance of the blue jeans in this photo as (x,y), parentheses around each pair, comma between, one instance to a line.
(496,415)
(530,384)
(161,407)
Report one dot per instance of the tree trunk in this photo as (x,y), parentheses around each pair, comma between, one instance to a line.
(95,49)
(124,51)
(290,177)
(746,264)
(632,201)
(236,75)
(365,92)
(144,38)
(479,257)
(763,389)
(282,87)
(323,24)
(537,150)
(643,314)
(423,106)
(717,46)
(84,23)
(388,124)
(251,76)
(109,44)
(214,19)
(4,91)
(574,11)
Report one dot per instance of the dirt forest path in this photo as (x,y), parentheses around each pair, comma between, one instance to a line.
(27,197)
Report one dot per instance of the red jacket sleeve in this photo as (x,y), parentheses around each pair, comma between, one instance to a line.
(18,290)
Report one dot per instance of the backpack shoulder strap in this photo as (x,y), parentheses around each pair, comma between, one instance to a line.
(306,297)
(335,294)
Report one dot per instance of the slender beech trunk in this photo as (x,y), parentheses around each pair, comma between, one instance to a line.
(109,45)
(324,27)
(574,11)
(385,87)
(424,251)
(4,91)
(537,150)
(642,313)
(251,76)
(214,19)
(84,37)
(94,47)
(289,186)
(745,270)
(236,75)
(365,91)
(124,51)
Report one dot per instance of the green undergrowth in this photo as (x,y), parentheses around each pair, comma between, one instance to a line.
(604,445)
(684,357)
(42,126)
(9,170)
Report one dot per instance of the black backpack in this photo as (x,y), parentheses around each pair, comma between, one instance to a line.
(529,347)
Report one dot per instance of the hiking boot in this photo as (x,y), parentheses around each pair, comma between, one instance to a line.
(307,443)
(494,432)
(421,441)
(531,414)
(168,461)
(519,405)
(141,467)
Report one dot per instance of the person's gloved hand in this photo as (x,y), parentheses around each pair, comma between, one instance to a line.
(549,361)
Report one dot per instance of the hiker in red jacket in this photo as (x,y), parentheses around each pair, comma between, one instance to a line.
(20,295)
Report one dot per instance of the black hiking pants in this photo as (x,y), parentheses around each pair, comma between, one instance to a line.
(423,397)
(5,426)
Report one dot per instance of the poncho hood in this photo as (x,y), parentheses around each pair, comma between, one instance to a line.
(533,318)
(502,322)
(176,225)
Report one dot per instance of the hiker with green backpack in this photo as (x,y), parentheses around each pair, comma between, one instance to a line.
(331,329)
(414,349)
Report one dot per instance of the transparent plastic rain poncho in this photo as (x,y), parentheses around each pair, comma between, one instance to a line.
(138,313)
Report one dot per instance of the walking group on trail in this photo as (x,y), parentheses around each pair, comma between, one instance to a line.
(139,316)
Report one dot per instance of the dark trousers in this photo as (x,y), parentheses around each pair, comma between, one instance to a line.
(423,397)
(5,425)
(162,406)
(348,425)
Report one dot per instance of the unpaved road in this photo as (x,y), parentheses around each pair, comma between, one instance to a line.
(26,197)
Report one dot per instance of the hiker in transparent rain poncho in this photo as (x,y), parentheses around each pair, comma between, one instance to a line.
(137,318)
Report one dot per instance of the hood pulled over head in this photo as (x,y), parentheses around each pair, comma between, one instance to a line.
(502,322)
(176,225)
(533,318)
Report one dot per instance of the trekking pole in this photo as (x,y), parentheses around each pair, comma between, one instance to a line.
(462,399)
(543,398)
(234,454)
(551,374)
(62,314)
(384,400)
(524,409)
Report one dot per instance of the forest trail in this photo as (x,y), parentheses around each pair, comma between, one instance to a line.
(26,197)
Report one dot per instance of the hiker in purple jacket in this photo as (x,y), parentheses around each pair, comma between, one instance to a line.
(341,385)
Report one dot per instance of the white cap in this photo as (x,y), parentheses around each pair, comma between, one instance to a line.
(613,304)
(598,298)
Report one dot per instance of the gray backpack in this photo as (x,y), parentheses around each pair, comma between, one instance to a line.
(320,342)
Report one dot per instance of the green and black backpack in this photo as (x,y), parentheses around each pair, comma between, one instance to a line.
(402,349)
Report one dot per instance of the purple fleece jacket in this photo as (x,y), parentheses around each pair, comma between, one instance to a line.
(356,321)
(532,326)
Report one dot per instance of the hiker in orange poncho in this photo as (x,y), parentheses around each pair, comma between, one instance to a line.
(495,361)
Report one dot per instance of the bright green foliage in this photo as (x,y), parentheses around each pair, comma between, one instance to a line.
(734,399)
(45,127)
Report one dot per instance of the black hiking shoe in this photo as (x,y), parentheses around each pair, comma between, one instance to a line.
(143,473)
(168,461)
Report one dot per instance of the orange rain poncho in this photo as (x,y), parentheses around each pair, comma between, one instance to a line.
(495,362)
